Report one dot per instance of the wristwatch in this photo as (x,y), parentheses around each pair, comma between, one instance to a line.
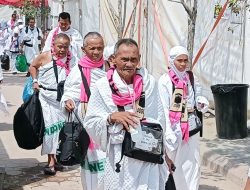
(34,81)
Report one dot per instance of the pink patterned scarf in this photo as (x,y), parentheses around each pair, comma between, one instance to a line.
(125,99)
(87,64)
(178,111)
(65,65)
(53,38)
(12,24)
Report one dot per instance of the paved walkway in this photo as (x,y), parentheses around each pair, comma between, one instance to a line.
(230,158)
(23,168)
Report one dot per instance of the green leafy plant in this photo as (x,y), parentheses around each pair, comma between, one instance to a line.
(235,6)
(29,9)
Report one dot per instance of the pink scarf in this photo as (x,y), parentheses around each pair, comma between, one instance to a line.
(87,64)
(12,24)
(177,116)
(65,65)
(53,38)
(124,99)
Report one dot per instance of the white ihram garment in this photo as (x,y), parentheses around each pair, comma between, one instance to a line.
(3,40)
(52,112)
(76,41)
(134,174)
(185,155)
(72,91)
(32,39)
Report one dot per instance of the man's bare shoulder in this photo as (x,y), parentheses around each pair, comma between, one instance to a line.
(44,58)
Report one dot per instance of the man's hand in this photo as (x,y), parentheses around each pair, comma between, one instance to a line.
(69,105)
(127,119)
(170,164)
(21,51)
(35,86)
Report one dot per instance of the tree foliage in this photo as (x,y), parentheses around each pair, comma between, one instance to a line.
(29,9)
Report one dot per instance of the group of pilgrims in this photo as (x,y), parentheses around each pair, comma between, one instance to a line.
(117,82)
(15,39)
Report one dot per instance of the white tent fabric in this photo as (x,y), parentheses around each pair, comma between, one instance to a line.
(5,13)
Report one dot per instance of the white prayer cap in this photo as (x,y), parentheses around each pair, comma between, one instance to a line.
(108,51)
(20,26)
(175,52)
(20,20)
(16,30)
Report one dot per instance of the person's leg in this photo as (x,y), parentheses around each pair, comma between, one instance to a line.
(51,160)
(247,184)
(28,73)
(13,63)
(248,181)
(50,168)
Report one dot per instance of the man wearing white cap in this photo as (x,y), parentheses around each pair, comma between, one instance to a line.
(181,95)
(31,41)
(76,40)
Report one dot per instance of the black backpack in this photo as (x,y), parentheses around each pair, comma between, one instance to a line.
(5,59)
(38,31)
(28,124)
(39,37)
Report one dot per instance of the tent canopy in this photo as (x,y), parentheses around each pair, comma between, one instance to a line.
(19,3)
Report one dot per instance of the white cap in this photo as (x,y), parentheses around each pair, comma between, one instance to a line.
(20,20)
(108,51)
(21,26)
(16,30)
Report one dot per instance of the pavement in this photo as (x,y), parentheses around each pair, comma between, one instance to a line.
(224,162)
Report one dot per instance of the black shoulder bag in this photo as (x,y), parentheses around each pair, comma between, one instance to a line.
(73,142)
(146,149)
(60,85)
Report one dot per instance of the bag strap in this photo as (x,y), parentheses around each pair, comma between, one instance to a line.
(26,30)
(79,120)
(55,70)
(196,112)
(38,31)
(84,81)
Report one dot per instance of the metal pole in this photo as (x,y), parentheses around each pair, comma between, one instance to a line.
(244,38)
(147,34)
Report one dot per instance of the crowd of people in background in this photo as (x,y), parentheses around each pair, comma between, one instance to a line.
(116,99)
(17,38)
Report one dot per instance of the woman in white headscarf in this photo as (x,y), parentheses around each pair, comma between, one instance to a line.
(179,98)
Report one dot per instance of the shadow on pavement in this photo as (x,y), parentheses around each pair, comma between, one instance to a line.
(206,187)
(237,152)
(14,80)
(6,127)
(25,176)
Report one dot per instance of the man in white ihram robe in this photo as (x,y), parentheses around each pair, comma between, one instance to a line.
(76,41)
(135,174)
(74,99)
(30,40)
(72,88)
